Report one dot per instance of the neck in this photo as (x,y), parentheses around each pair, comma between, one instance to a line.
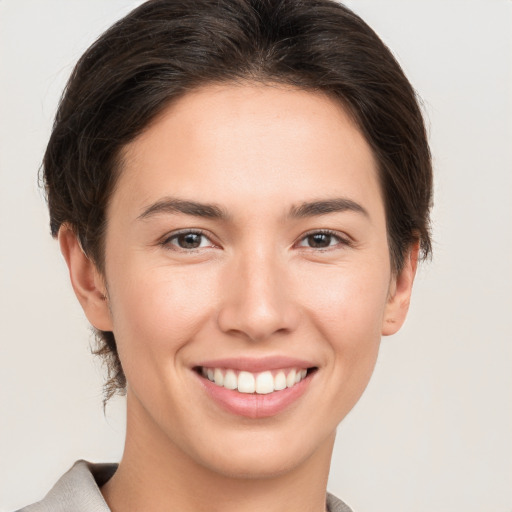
(156,474)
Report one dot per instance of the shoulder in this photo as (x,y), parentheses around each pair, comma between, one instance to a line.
(336,505)
(78,490)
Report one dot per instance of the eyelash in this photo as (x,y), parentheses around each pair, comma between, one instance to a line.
(167,242)
(341,241)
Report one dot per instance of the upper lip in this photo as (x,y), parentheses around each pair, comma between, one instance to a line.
(259,364)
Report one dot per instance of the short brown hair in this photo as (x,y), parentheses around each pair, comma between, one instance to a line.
(165,48)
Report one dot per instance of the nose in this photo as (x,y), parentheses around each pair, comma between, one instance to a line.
(257,300)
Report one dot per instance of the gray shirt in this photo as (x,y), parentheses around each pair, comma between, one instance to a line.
(78,490)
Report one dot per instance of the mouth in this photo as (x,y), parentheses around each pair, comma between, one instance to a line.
(261,383)
(255,389)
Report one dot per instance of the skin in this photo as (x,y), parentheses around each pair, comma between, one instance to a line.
(255,287)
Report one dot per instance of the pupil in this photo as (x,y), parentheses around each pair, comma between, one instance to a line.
(320,240)
(190,241)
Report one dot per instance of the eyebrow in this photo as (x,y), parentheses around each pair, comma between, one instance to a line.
(173,205)
(326,206)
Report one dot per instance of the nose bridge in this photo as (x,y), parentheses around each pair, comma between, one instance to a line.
(257,301)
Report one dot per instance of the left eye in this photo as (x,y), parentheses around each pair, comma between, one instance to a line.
(189,240)
(320,240)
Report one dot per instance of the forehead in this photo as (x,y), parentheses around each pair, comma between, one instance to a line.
(233,143)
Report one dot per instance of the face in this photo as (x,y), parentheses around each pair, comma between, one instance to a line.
(247,276)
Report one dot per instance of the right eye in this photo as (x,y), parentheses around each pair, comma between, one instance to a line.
(188,241)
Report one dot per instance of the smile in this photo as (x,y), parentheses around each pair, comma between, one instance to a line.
(256,387)
(261,383)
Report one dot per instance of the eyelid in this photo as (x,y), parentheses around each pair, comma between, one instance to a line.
(165,241)
(344,239)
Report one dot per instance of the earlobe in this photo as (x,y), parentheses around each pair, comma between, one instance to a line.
(400,293)
(86,280)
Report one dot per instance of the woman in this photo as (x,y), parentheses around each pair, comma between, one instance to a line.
(241,191)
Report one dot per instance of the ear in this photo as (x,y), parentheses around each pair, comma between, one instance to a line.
(87,282)
(400,290)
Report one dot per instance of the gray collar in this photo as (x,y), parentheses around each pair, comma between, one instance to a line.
(78,490)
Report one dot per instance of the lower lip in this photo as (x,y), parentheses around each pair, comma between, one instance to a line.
(253,405)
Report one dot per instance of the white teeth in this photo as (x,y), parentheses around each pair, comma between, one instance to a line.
(246,382)
(218,377)
(262,383)
(230,380)
(290,379)
(280,381)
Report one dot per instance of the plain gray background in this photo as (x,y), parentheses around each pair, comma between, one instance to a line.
(434,430)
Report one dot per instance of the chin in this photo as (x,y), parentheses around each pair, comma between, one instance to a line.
(255,465)
(264,455)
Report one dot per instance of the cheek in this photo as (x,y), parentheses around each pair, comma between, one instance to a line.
(347,306)
(157,310)
(347,294)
